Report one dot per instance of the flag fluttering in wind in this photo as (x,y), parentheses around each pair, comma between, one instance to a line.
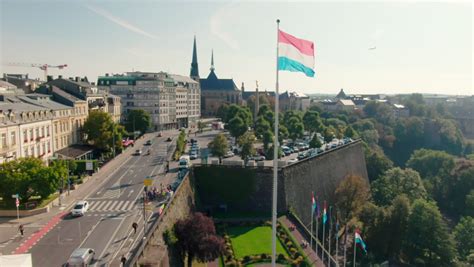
(161,208)
(315,205)
(325,216)
(358,240)
(295,54)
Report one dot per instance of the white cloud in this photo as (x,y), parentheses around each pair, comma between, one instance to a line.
(120,22)
(217,22)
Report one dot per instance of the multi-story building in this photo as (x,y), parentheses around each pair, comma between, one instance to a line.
(23,82)
(294,101)
(171,100)
(31,123)
(96,98)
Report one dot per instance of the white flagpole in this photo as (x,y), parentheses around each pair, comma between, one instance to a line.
(345,244)
(354,264)
(317,233)
(324,231)
(275,160)
(329,240)
(337,239)
(312,214)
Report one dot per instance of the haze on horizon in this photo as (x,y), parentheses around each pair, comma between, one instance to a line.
(421,47)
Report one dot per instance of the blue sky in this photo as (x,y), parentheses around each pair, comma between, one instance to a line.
(420,46)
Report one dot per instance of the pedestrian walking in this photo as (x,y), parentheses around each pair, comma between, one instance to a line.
(21,229)
(123,260)
(135,226)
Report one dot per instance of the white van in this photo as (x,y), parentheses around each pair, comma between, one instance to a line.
(81,257)
(184,162)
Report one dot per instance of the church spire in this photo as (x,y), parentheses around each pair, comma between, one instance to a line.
(212,60)
(194,64)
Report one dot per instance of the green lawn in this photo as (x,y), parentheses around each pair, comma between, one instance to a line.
(250,240)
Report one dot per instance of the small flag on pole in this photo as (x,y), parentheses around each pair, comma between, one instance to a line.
(294,54)
(315,205)
(325,216)
(160,210)
(358,240)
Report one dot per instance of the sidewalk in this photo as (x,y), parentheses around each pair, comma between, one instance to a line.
(37,226)
(311,254)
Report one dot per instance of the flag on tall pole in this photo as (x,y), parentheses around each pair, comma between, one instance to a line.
(317,225)
(324,230)
(313,207)
(329,239)
(295,54)
(358,240)
(292,54)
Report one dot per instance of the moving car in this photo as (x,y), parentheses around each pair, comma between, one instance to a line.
(257,158)
(80,208)
(169,139)
(184,162)
(138,152)
(81,257)
(302,155)
(193,155)
(148,143)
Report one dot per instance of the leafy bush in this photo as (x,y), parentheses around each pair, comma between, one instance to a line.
(281,257)
(247,259)
(263,256)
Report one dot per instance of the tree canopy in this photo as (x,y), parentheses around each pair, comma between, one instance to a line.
(100,129)
(219,146)
(246,142)
(138,120)
(351,195)
(197,239)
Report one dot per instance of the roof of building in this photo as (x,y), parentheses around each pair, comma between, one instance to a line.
(398,106)
(346,102)
(42,101)
(75,151)
(341,94)
(181,78)
(293,94)
(214,83)
(7,85)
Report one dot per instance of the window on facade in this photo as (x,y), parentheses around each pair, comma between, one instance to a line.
(44,148)
(42,131)
(13,138)
(56,143)
(32,151)
(49,147)
(26,152)
(4,140)
(38,149)
(47,130)
(31,134)
(25,135)
(37,132)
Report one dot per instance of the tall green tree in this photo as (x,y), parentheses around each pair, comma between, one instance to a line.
(377,164)
(100,129)
(396,182)
(138,120)
(315,142)
(428,241)
(464,236)
(222,112)
(237,127)
(351,195)
(311,121)
(219,146)
(246,142)
(295,128)
(329,133)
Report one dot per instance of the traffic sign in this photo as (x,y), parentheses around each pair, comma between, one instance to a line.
(17,202)
(15,196)
(148,182)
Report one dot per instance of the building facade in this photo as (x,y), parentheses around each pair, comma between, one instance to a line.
(294,101)
(215,92)
(171,100)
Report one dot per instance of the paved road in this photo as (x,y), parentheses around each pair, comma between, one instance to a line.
(114,206)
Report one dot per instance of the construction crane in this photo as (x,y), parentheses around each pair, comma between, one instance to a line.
(43,67)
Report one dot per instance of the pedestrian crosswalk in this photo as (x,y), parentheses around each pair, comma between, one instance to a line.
(111,205)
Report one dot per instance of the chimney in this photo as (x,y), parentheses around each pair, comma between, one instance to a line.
(93,83)
(27,76)
(60,77)
(106,75)
(78,79)
(49,78)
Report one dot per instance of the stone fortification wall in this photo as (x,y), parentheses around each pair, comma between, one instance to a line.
(321,175)
(250,189)
(155,251)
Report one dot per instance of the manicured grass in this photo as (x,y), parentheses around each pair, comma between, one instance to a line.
(238,214)
(251,240)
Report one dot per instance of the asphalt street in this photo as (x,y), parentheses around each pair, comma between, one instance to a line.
(114,206)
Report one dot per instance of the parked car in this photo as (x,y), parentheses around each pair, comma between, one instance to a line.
(148,143)
(81,257)
(159,134)
(229,154)
(169,139)
(257,158)
(286,150)
(291,161)
(80,208)
(302,155)
(138,152)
